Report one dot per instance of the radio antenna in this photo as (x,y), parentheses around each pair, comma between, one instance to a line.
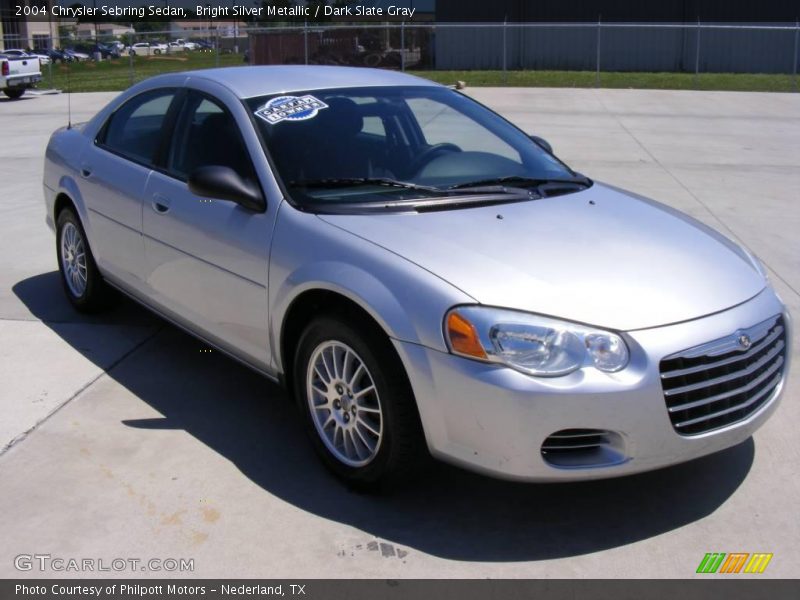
(69,98)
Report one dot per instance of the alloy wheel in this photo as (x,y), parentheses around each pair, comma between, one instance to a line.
(344,403)
(73,260)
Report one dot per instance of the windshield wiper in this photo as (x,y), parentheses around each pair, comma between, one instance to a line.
(450,201)
(519,181)
(479,193)
(357,181)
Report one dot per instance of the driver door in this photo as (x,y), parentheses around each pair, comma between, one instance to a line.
(206,260)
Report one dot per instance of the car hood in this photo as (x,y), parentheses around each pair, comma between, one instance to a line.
(600,256)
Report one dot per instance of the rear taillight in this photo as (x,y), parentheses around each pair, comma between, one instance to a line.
(5,68)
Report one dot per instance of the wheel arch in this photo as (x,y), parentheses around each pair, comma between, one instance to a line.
(69,191)
(62,201)
(316,301)
(68,197)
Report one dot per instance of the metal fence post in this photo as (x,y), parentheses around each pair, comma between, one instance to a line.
(305,41)
(697,57)
(402,45)
(597,64)
(505,52)
(131,71)
(216,47)
(796,47)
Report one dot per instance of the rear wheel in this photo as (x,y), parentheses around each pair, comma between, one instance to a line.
(14,94)
(83,284)
(359,407)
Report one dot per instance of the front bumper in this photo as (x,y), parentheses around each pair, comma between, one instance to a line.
(494,420)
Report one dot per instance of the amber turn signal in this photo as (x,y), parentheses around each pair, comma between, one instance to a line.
(463,337)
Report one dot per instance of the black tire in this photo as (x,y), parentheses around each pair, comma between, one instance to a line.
(402,450)
(97,295)
(373,60)
(14,94)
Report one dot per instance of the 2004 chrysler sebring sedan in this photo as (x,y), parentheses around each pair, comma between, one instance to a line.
(421,274)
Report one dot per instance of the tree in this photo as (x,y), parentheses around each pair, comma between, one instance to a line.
(148,26)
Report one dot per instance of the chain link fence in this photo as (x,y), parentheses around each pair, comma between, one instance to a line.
(110,63)
(595,51)
(599,47)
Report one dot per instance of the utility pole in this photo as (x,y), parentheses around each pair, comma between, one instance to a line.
(235,30)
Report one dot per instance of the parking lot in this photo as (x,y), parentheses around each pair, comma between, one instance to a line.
(119,438)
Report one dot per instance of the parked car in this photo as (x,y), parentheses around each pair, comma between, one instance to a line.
(77,56)
(148,49)
(175,47)
(419,273)
(90,49)
(15,52)
(18,73)
(189,45)
(44,57)
(57,56)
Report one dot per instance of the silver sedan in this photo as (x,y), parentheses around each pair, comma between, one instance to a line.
(421,275)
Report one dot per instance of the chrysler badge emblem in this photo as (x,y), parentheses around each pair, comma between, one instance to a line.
(744,341)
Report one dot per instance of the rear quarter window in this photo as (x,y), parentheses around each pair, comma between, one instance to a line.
(134,130)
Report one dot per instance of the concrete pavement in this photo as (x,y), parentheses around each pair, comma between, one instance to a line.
(120,439)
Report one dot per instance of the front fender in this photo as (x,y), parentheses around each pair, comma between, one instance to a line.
(408,302)
(355,284)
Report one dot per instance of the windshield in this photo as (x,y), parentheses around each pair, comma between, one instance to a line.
(379,144)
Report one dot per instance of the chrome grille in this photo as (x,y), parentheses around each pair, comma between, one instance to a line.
(724,381)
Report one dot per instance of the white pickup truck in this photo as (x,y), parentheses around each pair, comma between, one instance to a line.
(18,73)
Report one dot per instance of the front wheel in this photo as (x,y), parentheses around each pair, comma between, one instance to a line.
(14,94)
(359,407)
(83,284)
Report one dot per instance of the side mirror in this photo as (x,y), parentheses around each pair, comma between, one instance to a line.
(225,184)
(542,143)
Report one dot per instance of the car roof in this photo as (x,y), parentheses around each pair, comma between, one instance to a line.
(248,82)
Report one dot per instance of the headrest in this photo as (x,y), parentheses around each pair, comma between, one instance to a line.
(341,118)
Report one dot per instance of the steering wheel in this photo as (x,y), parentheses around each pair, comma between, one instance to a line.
(428,154)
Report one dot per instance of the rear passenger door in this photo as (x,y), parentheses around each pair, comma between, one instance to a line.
(114,172)
(207,259)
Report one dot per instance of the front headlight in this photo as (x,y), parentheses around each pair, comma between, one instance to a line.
(531,344)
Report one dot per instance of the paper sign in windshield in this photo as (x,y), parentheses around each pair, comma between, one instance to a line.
(290,108)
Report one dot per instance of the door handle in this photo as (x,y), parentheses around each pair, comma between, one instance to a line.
(160,204)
